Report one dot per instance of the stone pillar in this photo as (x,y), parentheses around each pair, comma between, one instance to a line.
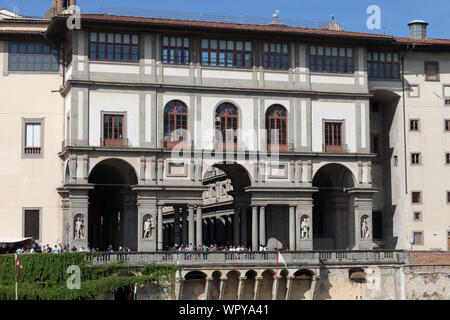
(184,227)
(176,227)
(146,210)
(240,287)
(255,228)
(275,285)
(222,287)
(363,221)
(191,235)
(292,228)
(289,287)
(207,288)
(243,216)
(199,226)
(78,218)
(236,227)
(160,229)
(304,222)
(258,281)
(312,291)
(179,288)
(262,225)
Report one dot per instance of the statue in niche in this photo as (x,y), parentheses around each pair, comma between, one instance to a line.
(79,228)
(148,227)
(365,233)
(305,227)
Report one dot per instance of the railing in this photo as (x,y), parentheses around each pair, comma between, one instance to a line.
(32,151)
(249,257)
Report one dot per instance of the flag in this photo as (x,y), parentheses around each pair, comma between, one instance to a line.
(281,259)
(17,262)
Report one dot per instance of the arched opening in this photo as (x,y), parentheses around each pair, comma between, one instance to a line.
(248,292)
(226,208)
(301,285)
(112,206)
(266,290)
(214,291)
(276,126)
(385,123)
(333,218)
(231,287)
(227,122)
(175,123)
(125,292)
(194,285)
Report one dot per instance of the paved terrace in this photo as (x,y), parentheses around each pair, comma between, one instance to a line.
(249,258)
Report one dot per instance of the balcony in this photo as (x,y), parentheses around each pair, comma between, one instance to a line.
(32,151)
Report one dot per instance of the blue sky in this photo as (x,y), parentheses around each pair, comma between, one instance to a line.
(395,14)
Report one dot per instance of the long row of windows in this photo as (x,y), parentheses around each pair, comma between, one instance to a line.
(33,56)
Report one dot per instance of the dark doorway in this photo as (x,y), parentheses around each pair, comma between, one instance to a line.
(112,206)
(124,293)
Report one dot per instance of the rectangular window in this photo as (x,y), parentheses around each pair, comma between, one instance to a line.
(447,125)
(448,197)
(113,131)
(415,158)
(333,137)
(176,50)
(418,238)
(414,125)
(114,47)
(226,53)
(276,56)
(33,56)
(330,59)
(431,71)
(383,65)
(447,158)
(418,216)
(416,197)
(32,138)
(31,223)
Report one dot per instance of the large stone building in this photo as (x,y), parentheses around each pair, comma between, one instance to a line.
(295,138)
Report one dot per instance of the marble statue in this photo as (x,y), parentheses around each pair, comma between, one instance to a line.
(148,227)
(365,233)
(305,227)
(79,228)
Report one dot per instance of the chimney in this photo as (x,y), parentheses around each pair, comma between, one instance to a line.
(418,29)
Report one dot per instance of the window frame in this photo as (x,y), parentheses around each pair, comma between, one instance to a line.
(124,130)
(190,49)
(39,209)
(324,132)
(418,125)
(420,198)
(227,51)
(173,143)
(447,125)
(41,122)
(427,77)
(284,146)
(27,55)
(324,64)
(107,43)
(385,63)
(420,160)
(420,216)
(224,144)
(422,243)
(281,54)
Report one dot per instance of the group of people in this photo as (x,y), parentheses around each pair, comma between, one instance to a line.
(213,248)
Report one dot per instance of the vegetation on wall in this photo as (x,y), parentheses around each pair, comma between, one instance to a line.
(45,276)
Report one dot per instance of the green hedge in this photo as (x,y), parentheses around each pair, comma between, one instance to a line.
(44,277)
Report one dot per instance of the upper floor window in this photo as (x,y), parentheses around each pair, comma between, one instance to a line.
(33,56)
(276,125)
(333,137)
(431,71)
(447,125)
(276,56)
(175,123)
(383,65)
(414,125)
(226,53)
(114,47)
(227,122)
(331,59)
(32,144)
(113,130)
(176,50)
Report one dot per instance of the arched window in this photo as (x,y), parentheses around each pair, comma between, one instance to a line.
(276,125)
(227,121)
(175,123)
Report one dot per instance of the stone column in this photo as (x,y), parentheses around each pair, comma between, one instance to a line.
(255,229)
(243,216)
(240,287)
(275,285)
(160,229)
(236,227)
(147,209)
(312,291)
(262,225)
(292,228)
(199,226)
(207,288)
(258,281)
(179,288)
(191,234)
(184,227)
(222,287)
(176,227)
(289,287)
